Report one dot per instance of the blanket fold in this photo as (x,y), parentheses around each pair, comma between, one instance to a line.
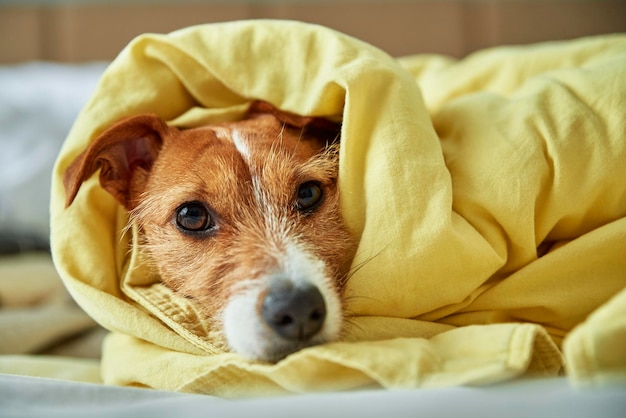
(487,194)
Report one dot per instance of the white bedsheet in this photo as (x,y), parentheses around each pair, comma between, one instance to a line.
(34,397)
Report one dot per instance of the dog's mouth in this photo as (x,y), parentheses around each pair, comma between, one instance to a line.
(283,351)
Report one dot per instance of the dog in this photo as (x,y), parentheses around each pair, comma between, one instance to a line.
(241,217)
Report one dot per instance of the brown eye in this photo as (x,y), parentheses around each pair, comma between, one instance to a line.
(309,196)
(193,217)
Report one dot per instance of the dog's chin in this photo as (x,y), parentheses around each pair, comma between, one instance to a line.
(278,350)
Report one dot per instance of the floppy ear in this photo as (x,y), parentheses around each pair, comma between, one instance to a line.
(124,153)
(315,126)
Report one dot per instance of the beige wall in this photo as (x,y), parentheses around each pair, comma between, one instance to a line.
(98,30)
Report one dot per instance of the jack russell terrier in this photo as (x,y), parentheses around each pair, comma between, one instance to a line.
(241,217)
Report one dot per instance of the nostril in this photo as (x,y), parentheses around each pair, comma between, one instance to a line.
(295,313)
(284,321)
(317,315)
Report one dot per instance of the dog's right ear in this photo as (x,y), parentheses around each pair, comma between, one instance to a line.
(124,153)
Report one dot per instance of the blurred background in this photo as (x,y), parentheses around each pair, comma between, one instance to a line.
(79,30)
(52,53)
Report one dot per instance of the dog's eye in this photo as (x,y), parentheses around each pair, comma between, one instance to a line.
(309,196)
(193,217)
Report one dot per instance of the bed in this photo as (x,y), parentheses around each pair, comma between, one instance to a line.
(58,372)
(22,396)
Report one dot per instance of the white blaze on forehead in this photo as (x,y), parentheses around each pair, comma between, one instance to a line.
(266,203)
(241,144)
(237,138)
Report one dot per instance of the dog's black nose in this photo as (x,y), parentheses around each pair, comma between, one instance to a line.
(295,313)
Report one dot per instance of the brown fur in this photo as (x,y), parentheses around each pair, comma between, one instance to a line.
(152,169)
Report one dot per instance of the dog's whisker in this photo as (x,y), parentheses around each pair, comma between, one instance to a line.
(352,324)
(350,299)
(298,141)
(281,132)
(356,267)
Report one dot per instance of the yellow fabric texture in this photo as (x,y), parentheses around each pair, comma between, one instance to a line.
(488,195)
(37,316)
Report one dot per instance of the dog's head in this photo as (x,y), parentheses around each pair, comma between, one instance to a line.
(242,217)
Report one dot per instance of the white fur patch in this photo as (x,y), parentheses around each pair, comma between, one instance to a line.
(241,145)
(304,269)
(244,328)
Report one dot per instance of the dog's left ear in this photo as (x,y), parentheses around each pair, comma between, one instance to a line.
(317,127)
(124,153)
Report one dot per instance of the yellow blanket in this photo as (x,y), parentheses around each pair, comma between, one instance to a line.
(42,332)
(37,316)
(489,198)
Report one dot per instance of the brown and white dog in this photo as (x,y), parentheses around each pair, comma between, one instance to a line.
(242,217)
